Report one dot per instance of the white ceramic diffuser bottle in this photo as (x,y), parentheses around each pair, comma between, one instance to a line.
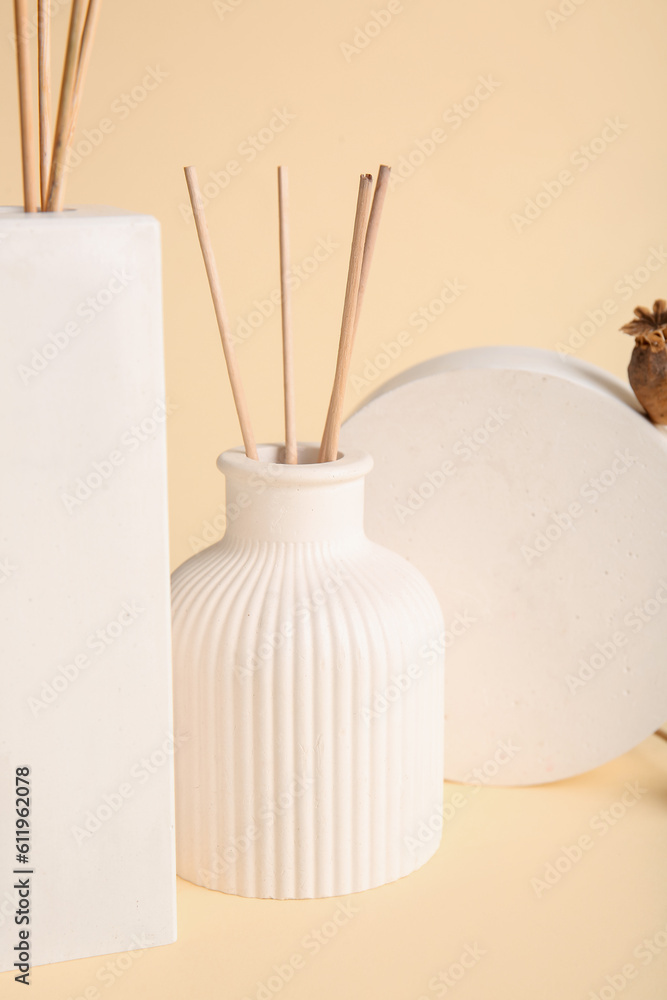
(308,690)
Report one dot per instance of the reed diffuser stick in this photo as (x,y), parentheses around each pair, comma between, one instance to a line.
(220,312)
(379,195)
(56,193)
(28,151)
(87,39)
(44,84)
(329,445)
(291,457)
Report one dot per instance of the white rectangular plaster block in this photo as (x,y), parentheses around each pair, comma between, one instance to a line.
(85,689)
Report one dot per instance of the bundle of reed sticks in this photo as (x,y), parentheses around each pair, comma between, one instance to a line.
(44,176)
(364,236)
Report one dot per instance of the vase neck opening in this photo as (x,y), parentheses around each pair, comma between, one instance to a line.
(270,501)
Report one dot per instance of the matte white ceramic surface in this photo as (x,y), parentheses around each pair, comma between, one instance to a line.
(85,686)
(308,691)
(530,491)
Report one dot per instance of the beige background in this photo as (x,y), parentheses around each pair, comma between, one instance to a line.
(218,73)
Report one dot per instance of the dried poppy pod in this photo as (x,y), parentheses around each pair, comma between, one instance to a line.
(647,370)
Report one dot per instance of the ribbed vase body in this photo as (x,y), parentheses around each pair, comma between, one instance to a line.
(308,693)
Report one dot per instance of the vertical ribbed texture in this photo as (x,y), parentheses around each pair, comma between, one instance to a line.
(294,780)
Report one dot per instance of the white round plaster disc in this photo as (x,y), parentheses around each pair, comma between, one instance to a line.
(532,493)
